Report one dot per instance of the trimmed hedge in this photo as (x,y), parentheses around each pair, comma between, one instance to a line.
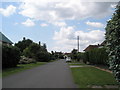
(96,56)
(10,56)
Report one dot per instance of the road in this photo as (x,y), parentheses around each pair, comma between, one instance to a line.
(51,75)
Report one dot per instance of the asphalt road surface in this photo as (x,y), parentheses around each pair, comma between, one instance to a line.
(51,75)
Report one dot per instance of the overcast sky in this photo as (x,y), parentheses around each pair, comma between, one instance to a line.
(56,23)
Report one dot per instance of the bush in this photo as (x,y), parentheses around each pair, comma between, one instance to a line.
(10,56)
(36,52)
(113,42)
(25,60)
(31,50)
(43,57)
(96,56)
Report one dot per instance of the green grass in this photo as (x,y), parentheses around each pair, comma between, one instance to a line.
(84,76)
(20,67)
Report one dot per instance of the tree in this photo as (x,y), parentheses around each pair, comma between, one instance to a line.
(113,42)
(32,50)
(74,54)
(23,44)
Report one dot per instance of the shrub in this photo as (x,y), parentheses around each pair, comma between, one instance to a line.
(96,56)
(43,56)
(25,60)
(113,42)
(10,56)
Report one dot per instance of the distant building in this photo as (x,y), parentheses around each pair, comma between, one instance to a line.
(5,40)
(90,47)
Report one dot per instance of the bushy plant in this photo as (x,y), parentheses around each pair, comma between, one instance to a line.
(10,56)
(113,42)
(43,56)
(25,60)
(98,56)
(37,52)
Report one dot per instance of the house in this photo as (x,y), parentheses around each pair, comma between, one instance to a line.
(5,40)
(90,47)
(102,44)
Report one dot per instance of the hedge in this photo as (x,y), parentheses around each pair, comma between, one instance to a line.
(96,56)
(10,56)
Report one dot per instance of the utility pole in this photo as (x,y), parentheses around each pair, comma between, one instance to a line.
(78,42)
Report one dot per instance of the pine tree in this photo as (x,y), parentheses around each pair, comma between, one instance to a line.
(113,42)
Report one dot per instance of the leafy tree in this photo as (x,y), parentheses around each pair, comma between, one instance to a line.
(74,54)
(31,50)
(113,42)
(37,52)
(23,44)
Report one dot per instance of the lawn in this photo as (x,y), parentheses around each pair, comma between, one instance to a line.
(20,67)
(88,76)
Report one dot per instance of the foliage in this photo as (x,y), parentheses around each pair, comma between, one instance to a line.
(37,52)
(113,42)
(56,55)
(23,44)
(74,54)
(10,56)
(96,56)
(25,60)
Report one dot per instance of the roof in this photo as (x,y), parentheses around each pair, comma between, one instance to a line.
(91,47)
(103,43)
(3,38)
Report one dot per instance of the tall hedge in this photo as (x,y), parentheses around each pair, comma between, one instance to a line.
(113,42)
(10,56)
(96,56)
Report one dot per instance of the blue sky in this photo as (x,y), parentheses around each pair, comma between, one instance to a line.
(56,23)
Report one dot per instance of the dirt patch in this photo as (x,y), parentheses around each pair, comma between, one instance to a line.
(103,69)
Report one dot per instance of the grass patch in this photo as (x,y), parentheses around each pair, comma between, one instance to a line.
(20,67)
(84,76)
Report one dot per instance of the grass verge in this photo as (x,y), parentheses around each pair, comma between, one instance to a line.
(20,67)
(88,76)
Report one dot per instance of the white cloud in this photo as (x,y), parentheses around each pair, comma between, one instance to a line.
(8,11)
(95,24)
(57,11)
(28,23)
(114,5)
(66,38)
(43,25)
(60,24)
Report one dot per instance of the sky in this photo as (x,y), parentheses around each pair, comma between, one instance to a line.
(56,23)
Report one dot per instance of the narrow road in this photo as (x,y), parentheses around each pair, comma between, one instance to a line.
(51,75)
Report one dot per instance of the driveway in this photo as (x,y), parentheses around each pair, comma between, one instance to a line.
(51,75)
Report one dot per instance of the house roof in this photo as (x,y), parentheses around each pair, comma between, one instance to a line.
(91,47)
(103,43)
(3,38)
